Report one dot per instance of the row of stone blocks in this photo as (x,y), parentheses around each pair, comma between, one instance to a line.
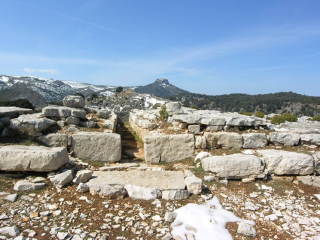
(105,147)
(170,148)
(276,162)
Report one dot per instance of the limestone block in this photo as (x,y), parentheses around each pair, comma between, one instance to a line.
(287,163)
(32,158)
(254,140)
(62,179)
(73,101)
(194,129)
(54,140)
(143,193)
(287,139)
(31,124)
(175,195)
(27,186)
(200,142)
(168,148)
(223,140)
(105,147)
(14,112)
(233,166)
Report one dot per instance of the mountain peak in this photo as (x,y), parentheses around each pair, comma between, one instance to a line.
(162,81)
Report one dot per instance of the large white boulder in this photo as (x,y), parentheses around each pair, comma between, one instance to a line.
(233,166)
(287,163)
(32,158)
(287,139)
(254,140)
(225,140)
(73,101)
(168,148)
(31,124)
(105,147)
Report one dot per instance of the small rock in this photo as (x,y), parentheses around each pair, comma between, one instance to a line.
(246,229)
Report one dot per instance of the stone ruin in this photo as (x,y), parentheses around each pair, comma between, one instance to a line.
(186,134)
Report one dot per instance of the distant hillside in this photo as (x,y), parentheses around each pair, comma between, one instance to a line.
(281,102)
(160,88)
(40,91)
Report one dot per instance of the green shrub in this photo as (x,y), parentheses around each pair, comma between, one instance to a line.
(80,94)
(277,119)
(246,113)
(156,105)
(283,118)
(289,117)
(119,89)
(194,107)
(22,103)
(163,113)
(56,103)
(316,118)
(259,114)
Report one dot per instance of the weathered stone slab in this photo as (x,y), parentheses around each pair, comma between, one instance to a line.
(201,142)
(105,147)
(310,138)
(162,180)
(233,166)
(31,124)
(175,194)
(27,186)
(32,158)
(287,163)
(14,112)
(62,179)
(287,139)
(168,148)
(54,140)
(254,140)
(108,191)
(63,112)
(223,140)
(73,101)
(143,193)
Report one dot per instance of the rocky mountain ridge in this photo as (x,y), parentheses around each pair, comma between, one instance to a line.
(40,91)
(160,88)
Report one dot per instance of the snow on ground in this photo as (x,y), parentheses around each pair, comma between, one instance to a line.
(78,85)
(205,222)
(4,79)
(150,101)
(107,93)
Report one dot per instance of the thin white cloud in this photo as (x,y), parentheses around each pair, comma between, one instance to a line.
(29,70)
(50,70)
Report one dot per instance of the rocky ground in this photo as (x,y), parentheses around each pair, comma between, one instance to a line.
(282,208)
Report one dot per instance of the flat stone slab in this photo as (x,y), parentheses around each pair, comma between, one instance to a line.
(32,158)
(287,163)
(233,166)
(13,112)
(162,180)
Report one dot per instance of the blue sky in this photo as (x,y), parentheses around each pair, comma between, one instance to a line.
(206,46)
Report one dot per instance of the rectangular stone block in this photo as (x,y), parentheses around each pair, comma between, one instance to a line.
(94,146)
(168,148)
